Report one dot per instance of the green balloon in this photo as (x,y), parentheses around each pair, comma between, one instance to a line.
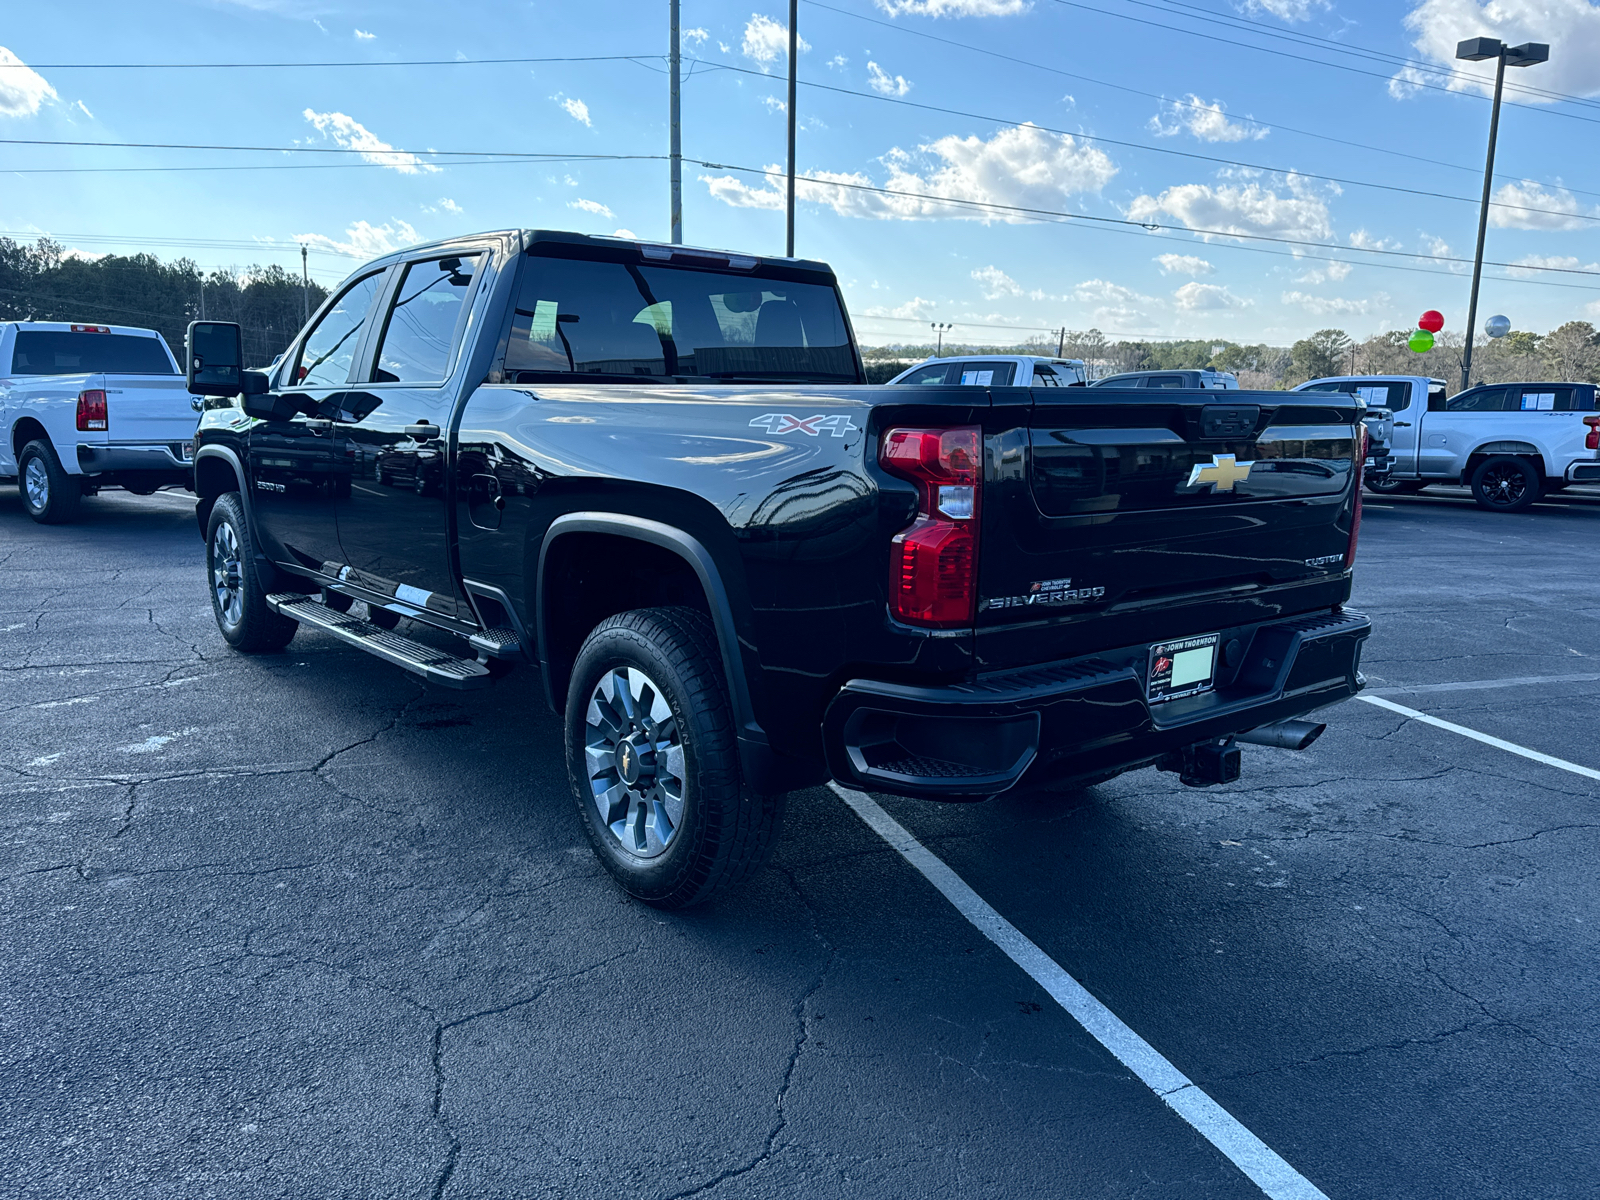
(1421,341)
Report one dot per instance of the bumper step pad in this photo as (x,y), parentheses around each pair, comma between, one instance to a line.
(437,666)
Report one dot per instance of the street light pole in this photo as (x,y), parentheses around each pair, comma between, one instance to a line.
(1525,55)
(675,149)
(939,328)
(305,287)
(794,67)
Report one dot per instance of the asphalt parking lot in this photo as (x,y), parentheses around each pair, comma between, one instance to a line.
(301,926)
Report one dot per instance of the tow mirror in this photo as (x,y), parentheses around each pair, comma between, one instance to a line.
(214,363)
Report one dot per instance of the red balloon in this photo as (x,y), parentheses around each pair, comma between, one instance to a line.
(1432,321)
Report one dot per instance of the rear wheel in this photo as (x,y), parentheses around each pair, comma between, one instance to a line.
(48,493)
(1505,484)
(654,763)
(1395,487)
(238,599)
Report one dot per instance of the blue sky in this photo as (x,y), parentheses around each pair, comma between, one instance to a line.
(1036,104)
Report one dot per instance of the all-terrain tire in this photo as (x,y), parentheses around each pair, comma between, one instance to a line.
(49,494)
(720,832)
(238,597)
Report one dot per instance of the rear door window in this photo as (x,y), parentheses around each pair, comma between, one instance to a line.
(1043,376)
(56,352)
(424,320)
(328,350)
(1543,399)
(985,374)
(1479,400)
(933,373)
(1166,381)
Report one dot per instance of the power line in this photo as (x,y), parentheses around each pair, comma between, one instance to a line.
(361,166)
(1209,158)
(1154,227)
(1433,87)
(273,66)
(1039,66)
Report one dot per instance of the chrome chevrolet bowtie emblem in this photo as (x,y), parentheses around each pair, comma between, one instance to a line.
(1222,470)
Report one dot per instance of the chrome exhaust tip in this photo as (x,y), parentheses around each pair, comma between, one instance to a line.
(1286,735)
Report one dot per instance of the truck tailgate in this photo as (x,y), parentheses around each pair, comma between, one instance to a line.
(1179,512)
(148,408)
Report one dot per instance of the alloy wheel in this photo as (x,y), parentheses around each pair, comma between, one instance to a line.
(1504,485)
(633,757)
(36,482)
(227,574)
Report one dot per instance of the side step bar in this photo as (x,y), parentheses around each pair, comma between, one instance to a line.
(436,666)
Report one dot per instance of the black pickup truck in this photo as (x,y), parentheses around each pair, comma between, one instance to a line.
(656,474)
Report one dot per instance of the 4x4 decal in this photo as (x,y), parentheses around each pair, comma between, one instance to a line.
(839,425)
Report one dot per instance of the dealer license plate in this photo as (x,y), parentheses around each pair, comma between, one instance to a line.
(1186,667)
(187,450)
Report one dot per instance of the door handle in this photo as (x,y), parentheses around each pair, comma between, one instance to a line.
(424,430)
(1402,424)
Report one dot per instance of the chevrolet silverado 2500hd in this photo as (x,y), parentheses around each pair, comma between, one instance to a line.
(655,473)
(85,407)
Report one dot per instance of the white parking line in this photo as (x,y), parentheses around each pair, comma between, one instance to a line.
(1475,685)
(1486,739)
(1249,1153)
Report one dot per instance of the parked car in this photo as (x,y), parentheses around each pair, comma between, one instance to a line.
(997,370)
(1169,379)
(86,407)
(1510,442)
(741,571)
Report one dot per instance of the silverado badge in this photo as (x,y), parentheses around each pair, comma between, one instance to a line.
(1222,471)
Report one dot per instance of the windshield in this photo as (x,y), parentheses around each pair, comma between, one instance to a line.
(616,319)
(53,352)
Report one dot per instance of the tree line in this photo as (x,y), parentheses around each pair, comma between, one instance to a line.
(1570,352)
(45,282)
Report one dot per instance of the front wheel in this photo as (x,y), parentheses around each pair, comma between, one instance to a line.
(48,493)
(238,600)
(1505,484)
(653,760)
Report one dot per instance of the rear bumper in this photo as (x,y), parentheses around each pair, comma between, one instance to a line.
(1583,472)
(167,457)
(1079,717)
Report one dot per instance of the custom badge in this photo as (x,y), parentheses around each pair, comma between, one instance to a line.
(1222,471)
(780,423)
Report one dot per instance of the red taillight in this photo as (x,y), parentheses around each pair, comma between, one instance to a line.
(1592,442)
(1355,517)
(934,564)
(91,329)
(91,410)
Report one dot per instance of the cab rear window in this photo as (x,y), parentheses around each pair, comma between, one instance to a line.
(52,352)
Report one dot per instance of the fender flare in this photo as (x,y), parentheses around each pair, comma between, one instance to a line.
(232,459)
(755,753)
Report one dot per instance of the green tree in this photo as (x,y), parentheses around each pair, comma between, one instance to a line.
(1325,352)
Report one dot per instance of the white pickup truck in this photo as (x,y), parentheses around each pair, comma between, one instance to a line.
(86,407)
(1510,442)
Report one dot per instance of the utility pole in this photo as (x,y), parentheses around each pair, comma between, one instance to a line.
(1061,341)
(305,287)
(202,297)
(794,67)
(1525,55)
(675,128)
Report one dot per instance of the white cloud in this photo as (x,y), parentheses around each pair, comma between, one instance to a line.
(626,233)
(1103,291)
(1562,208)
(1362,240)
(1207,297)
(576,109)
(83,108)
(1234,210)
(1023,167)
(995,283)
(1184,264)
(594,206)
(1571,27)
(353,135)
(1335,271)
(364,36)
(22,89)
(1206,122)
(838,62)
(363,239)
(885,84)
(766,40)
(1564,261)
(1286,10)
(1322,306)
(1437,246)
(915,308)
(953,8)
(693,36)
(775,105)
(445,205)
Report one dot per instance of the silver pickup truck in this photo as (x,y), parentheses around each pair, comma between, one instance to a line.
(1510,442)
